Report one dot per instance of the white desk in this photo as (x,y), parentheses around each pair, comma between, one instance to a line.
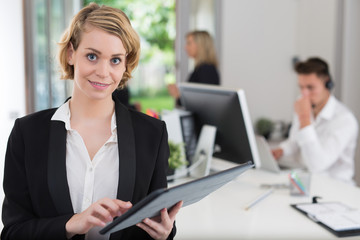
(221,215)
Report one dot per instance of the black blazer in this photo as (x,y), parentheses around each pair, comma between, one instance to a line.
(37,201)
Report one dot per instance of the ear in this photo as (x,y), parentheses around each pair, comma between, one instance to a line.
(70,52)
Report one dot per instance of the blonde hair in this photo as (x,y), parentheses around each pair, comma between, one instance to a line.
(111,20)
(205,48)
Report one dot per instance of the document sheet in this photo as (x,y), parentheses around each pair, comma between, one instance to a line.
(336,216)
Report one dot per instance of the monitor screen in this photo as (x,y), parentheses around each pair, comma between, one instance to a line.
(227,110)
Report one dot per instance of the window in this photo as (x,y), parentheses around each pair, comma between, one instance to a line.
(45,21)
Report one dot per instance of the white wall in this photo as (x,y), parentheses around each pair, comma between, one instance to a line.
(350,87)
(316,30)
(258,43)
(202,16)
(351,57)
(12,74)
(259,40)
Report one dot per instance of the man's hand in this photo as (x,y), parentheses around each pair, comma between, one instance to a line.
(303,110)
(277,153)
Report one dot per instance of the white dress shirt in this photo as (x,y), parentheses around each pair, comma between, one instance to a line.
(328,144)
(89,180)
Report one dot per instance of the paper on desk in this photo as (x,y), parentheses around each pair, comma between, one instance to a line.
(337,216)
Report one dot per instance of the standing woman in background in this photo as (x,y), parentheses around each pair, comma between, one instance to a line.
(200,47)
(70,170)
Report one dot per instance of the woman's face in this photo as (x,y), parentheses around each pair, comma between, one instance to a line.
(99,64)
(191,48)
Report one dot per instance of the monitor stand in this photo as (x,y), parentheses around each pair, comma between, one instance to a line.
(201,161)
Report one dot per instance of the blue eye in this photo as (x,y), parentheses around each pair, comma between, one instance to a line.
(116,61)
(92,57)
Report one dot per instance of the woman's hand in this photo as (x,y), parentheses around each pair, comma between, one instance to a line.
(98,214)
(173,90)
(160,227)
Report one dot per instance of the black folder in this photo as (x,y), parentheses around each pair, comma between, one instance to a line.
(189,193)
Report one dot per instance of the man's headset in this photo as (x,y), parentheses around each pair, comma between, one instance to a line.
(329,84)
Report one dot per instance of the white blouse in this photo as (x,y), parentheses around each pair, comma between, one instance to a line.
(89,180)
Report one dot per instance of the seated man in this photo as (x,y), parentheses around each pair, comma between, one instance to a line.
(324,131)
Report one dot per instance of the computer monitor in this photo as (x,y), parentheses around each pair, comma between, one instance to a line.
(227,110)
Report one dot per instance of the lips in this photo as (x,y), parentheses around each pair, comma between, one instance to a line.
(100,86)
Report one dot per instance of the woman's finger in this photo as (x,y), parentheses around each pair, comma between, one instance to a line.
(99,211)
(123,206)
(165,219)
(94,221)
(148,229)
(174,210)
(110,205)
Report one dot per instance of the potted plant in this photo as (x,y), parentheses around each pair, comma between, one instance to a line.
(264,127)
(176,158)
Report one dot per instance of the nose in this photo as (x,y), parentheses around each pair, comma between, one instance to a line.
(102,70)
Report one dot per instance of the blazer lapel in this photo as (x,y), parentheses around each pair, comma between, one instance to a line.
(57,180)
(127,157)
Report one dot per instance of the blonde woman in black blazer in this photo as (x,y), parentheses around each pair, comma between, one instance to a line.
(98,51)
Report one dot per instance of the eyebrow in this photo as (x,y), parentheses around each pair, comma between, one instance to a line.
(98,52)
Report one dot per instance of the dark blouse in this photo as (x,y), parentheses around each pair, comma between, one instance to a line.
(205,73)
